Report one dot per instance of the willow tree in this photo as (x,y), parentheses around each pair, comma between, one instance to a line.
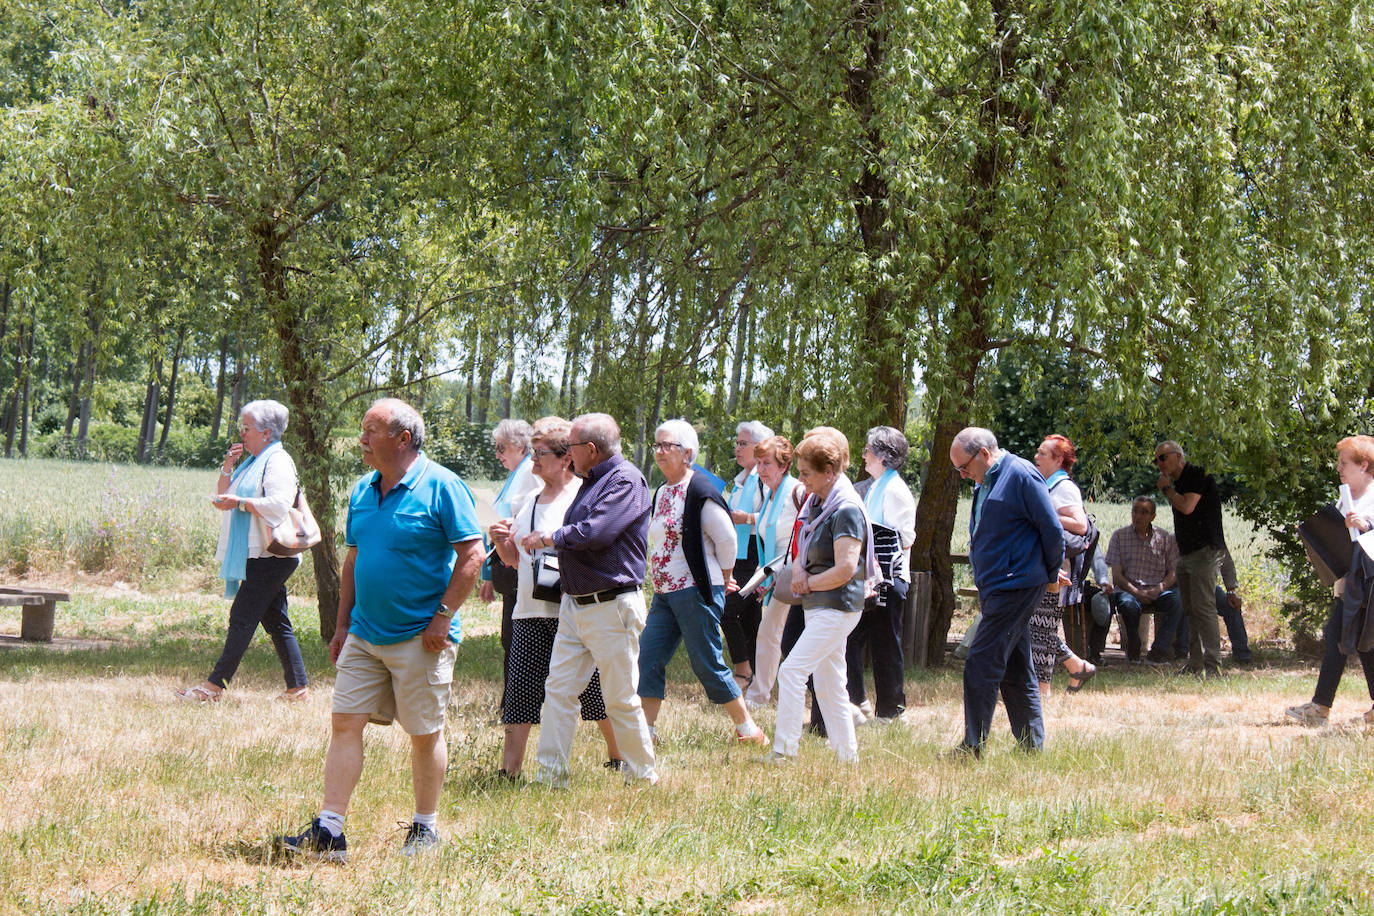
(349,151)
(951,179)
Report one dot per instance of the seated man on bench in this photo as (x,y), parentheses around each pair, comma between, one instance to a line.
(1144,562)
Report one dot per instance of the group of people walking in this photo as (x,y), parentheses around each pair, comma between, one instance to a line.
(792,577)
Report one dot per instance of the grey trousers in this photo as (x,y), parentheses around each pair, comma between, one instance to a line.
(1197,578)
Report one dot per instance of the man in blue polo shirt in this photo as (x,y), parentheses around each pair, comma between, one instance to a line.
(1016,546)
(414,553)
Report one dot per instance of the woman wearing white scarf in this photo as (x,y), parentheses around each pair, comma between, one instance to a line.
(834,564)
(254,497)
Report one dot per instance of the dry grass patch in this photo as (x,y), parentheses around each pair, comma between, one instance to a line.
(1156,794)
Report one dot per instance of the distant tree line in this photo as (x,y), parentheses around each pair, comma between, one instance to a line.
(922,214)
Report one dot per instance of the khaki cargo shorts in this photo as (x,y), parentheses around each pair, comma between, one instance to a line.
(402,681)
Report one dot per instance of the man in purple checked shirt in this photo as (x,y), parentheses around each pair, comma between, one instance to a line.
(602,550)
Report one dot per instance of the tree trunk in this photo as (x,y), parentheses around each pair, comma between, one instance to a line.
(510,370)
(311,422)
(148,428)
(12,407)
(882,346)
(74,401)
(220,386)
(240,377)
(473,354)
(28,376)
(736,370)
(935,512)
(171,393)
(488,367)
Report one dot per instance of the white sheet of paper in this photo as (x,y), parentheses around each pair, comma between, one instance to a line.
(486,512)
(1345,504)
(1366,541)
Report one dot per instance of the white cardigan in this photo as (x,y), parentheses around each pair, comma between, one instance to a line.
(277,489)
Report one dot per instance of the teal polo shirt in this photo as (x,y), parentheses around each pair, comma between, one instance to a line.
(405,554)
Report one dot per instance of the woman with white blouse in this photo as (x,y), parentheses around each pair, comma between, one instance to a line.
(691,558)
(1342,634)
(534,618)
(255,496)
(776,519)
(892,511)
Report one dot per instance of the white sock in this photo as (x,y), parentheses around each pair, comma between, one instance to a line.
(426,820)
(748,729)
(332,821)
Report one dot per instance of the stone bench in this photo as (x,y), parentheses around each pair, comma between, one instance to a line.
(40,610)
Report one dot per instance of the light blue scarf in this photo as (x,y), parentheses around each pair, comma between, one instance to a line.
(873,499)
(768,521)
(502,503)
(1054,478)
(744,498)
(234,567)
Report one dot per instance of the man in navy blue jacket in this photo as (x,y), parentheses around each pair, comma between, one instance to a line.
(1016,546)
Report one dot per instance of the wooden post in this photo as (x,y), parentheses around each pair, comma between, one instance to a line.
(36,624)
(915,619)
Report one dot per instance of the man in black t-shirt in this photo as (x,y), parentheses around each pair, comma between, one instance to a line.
(1192,493)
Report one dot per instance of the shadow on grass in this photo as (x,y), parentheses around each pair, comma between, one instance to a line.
(186,653)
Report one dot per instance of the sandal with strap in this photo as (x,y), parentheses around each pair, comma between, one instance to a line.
(1084,675)
(294,695)
(198,694)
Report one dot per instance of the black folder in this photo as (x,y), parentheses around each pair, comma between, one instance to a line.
(1328,543)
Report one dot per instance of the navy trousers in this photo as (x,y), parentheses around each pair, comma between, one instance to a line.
(261,599)
(1000,661)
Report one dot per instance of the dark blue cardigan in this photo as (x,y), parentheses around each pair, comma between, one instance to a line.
(1019,542)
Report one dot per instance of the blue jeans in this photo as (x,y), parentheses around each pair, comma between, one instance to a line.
(261,599)
(1235,629)
(1168,611)
(1000,660)
(678,617)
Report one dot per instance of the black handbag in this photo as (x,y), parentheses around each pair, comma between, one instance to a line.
(547,579)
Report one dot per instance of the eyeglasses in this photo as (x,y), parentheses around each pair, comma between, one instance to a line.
(576,444)
(961,467)
(543,452)
(743,443)
(245,430)
(666,446)
(1160,459)
(503,447)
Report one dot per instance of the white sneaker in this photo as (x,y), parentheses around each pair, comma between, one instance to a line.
(866,707)
(858,715)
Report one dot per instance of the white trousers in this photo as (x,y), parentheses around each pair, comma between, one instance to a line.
(601,636)
(767,652)
(818,654)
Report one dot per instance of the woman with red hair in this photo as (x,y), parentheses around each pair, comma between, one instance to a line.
(1055,456)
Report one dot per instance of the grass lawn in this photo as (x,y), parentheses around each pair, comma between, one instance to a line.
(1155,795)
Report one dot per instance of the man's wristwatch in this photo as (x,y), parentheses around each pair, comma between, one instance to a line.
(444,610)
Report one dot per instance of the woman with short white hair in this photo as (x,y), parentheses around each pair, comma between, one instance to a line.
(254,497)
(511,439)
(691,556)
(743,613)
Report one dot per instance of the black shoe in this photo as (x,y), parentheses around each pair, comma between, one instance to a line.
(419,838)
(1158,658)
(962,753)
(615,764)
(316,842)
